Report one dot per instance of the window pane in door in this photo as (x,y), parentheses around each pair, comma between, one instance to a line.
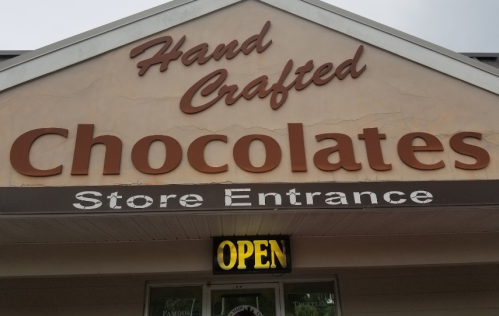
(245,302)
(176,301)
(310,299)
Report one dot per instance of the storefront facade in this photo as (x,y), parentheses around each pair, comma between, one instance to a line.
(248,158)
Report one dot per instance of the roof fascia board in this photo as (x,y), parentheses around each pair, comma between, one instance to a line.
(481,55)
(102,39)
(399,43)
(13,52)
(105,38)
(404,36)
(92,33)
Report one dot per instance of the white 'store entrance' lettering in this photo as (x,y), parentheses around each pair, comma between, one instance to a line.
(92,201)
(247,197)
(242,197)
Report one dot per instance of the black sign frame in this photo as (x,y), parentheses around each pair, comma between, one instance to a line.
(250,262)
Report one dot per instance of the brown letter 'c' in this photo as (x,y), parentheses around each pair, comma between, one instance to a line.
(195,154)
(140,154)
(19,153)
(481,155)
(344,149)
(83,147)
(272,150)
(406,150)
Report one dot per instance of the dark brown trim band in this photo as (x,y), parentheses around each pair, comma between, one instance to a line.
(328,196)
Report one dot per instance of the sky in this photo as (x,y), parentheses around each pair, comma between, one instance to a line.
(459,25)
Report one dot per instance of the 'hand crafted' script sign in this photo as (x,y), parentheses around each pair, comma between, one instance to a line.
(212,86)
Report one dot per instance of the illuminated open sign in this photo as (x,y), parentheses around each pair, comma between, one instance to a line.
(257,254)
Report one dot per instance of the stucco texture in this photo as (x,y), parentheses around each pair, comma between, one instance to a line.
(393,94)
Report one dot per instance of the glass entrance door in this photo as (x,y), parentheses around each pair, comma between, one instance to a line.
(245,300)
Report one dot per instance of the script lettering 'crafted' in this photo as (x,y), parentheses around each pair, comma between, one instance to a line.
(212,85)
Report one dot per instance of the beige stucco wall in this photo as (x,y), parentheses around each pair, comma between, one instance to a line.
(394,94)
(24,260)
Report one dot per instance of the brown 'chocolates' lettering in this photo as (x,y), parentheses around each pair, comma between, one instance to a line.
(297,147)
(19,153)
(140,154)
(481,156)
(195,154)
(343,150)
(344,147)
(406,150)
(373,139)
(242,156)
(84,143)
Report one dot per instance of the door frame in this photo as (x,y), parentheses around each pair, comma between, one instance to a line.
(207,283)
(243,286)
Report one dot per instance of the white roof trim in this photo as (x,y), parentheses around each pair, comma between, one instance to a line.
(459,56)
(399,43)
(105,38)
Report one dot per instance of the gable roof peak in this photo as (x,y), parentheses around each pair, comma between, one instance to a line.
(89,44)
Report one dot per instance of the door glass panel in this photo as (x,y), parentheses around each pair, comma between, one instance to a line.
(243,302)
(176,301)
(310,299)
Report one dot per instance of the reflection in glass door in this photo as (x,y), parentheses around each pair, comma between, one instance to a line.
(288,298)
(245,300)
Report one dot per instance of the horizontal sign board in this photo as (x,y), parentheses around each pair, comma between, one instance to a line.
(258,254)
(256,196)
